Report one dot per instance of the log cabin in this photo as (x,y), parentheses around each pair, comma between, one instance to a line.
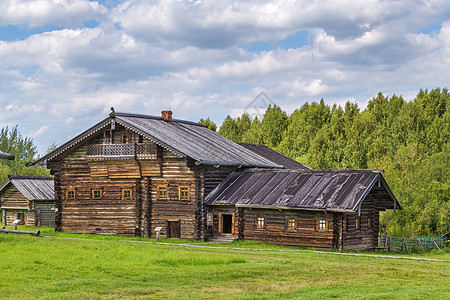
(131,173)
(327,209)
(29,199)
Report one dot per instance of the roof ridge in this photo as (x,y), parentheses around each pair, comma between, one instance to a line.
(30,177)
(124,114)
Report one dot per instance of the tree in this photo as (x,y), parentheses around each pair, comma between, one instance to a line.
(11,141)
(208,123)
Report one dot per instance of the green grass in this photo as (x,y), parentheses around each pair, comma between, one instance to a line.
(110,267)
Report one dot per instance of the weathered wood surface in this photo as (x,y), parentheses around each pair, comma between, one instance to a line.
(3,229)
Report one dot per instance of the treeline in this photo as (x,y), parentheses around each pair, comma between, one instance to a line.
(11,141)
(409,140)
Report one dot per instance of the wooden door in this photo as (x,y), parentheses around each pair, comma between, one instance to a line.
(173,229)
(21,217)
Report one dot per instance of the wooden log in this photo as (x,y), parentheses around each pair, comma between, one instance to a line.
(36,233)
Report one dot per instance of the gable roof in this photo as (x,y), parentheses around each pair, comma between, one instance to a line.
(274,156)
(32,187)
(4,155)
(329,190)
(183,138)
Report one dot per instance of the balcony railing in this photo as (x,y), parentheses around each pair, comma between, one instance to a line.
(121,151)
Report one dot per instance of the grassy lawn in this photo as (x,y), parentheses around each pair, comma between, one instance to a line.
(111,267)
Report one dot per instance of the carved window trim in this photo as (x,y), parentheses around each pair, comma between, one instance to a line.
(161,192)
(183,192)
(358,222)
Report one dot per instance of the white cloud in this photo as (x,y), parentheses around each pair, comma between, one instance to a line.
(36,13)
(146,56)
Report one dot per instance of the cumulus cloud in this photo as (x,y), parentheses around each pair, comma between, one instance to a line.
(35,13)
(205,59)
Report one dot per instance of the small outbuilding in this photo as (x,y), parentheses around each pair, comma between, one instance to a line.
(29,199)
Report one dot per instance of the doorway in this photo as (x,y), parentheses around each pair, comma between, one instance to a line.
(21,217)
(173,229)
(227,223)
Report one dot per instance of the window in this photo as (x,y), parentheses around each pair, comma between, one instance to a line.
(70,194)
(126,138)
(127,193)
(358,222)
(260,222)
(344,222)
(184,193)
(292,224)
(97,194)
(322,224)
(162,192)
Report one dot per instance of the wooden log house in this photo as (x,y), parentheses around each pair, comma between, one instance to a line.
(29,199)
(132,173)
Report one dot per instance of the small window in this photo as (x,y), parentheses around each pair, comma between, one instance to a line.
(358,222)
(125,138)
(292,224)
(97,194)
(70,194)
(322,224)
(184,192)
(162,192)
(260,222)
(127,193)
(345,222)
(140,139)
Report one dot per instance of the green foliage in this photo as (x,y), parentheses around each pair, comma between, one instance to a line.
(409,140)
(11,141)
(208,123)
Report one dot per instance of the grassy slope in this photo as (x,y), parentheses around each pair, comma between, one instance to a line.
(109,267)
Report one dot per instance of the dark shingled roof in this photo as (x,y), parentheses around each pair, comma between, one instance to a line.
(183,138)
(333,190)
(32,187)
(275,156)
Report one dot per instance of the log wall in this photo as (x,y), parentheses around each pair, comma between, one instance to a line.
(306,232)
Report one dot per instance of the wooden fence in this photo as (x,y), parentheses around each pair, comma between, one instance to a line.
(392,243)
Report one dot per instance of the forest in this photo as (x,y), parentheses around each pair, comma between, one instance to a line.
(409,140)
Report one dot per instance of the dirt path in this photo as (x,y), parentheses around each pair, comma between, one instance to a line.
(256,249)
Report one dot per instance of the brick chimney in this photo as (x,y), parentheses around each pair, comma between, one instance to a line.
(166,115)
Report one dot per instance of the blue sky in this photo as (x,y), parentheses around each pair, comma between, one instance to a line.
(64,63)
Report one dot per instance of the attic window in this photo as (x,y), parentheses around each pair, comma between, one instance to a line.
(125,138)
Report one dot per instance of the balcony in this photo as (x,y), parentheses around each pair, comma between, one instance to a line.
(121,151)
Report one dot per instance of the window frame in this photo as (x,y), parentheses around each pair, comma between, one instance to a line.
(288,223)
(187,198)
(74,194)
(123,193)
(320,223)
(166,197)
(93,193)
(126,138)
(258,224)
